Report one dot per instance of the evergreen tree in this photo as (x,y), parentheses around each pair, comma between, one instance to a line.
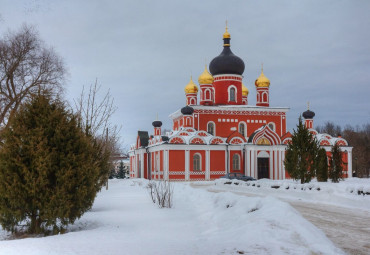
(336,164)
(50,171)
(121,171)
(301,154)
(322,166)
(112,173)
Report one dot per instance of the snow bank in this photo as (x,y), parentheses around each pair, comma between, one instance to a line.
(124,220)
(350,192)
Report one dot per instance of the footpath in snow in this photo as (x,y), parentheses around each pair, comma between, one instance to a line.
(124,220)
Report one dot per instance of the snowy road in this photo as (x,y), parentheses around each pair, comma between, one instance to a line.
(347,228)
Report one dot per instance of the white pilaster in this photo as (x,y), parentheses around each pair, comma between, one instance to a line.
(350,164)
(255,168)
(271,165)
(282,162)
(276,177)
(253,174)
(208,173)
(187,172)
(166,166)
(248,161)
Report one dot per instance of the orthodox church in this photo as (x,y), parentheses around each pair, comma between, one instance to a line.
(220,133)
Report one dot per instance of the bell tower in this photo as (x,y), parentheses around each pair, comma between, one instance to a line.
(262,86)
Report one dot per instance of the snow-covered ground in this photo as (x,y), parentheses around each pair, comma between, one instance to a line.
(344,193)
(124,220)
(335,208)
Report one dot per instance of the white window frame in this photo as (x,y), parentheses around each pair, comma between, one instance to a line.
(229,94)
(200,162)
(245,128)
(214,127)
(209,93)
(236,156)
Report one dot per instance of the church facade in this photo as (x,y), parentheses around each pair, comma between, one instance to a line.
(220,133)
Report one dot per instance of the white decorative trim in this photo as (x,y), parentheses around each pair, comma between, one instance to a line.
(197,172)
(217,172)
(177,172)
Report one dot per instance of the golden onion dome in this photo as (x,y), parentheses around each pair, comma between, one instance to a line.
(205,77)
(245,90)
(191,87)
(262,81)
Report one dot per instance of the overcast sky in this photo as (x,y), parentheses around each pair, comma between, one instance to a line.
(145,52)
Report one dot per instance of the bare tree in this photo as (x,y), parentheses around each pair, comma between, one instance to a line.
(95,119)
(26,67)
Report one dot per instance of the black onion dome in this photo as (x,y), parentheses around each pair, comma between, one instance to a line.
(308,114)
(187,110)
(227,62)
(157,123)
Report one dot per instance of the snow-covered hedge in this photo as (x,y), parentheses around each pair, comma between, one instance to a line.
(354,186)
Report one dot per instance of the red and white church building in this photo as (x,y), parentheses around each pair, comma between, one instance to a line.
(221,133)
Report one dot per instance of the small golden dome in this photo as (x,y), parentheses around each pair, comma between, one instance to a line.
(262,81)
(205,77)
(226,34)
(245,90)
(191,87)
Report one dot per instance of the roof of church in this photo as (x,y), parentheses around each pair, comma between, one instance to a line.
(144,138)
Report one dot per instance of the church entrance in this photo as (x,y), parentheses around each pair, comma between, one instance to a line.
(263,168)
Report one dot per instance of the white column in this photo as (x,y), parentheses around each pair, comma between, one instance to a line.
(253,174)
(350,164)
(248,161)
(142,165)
(208,174)
(226,162)
(166,166)
(271,164)
(255,168)
(275,165)
(187,173)
(282,163)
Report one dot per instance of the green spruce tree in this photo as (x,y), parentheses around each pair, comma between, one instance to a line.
(301,154)
(322,166)
(50,171)
(336,164)
(121,171)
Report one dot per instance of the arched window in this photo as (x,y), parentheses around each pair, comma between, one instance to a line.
(264,97)
(188,121)
(197,166)
(211,128)
(236,162)
(232,94)
(272,126)
(242,129)
(207,94)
